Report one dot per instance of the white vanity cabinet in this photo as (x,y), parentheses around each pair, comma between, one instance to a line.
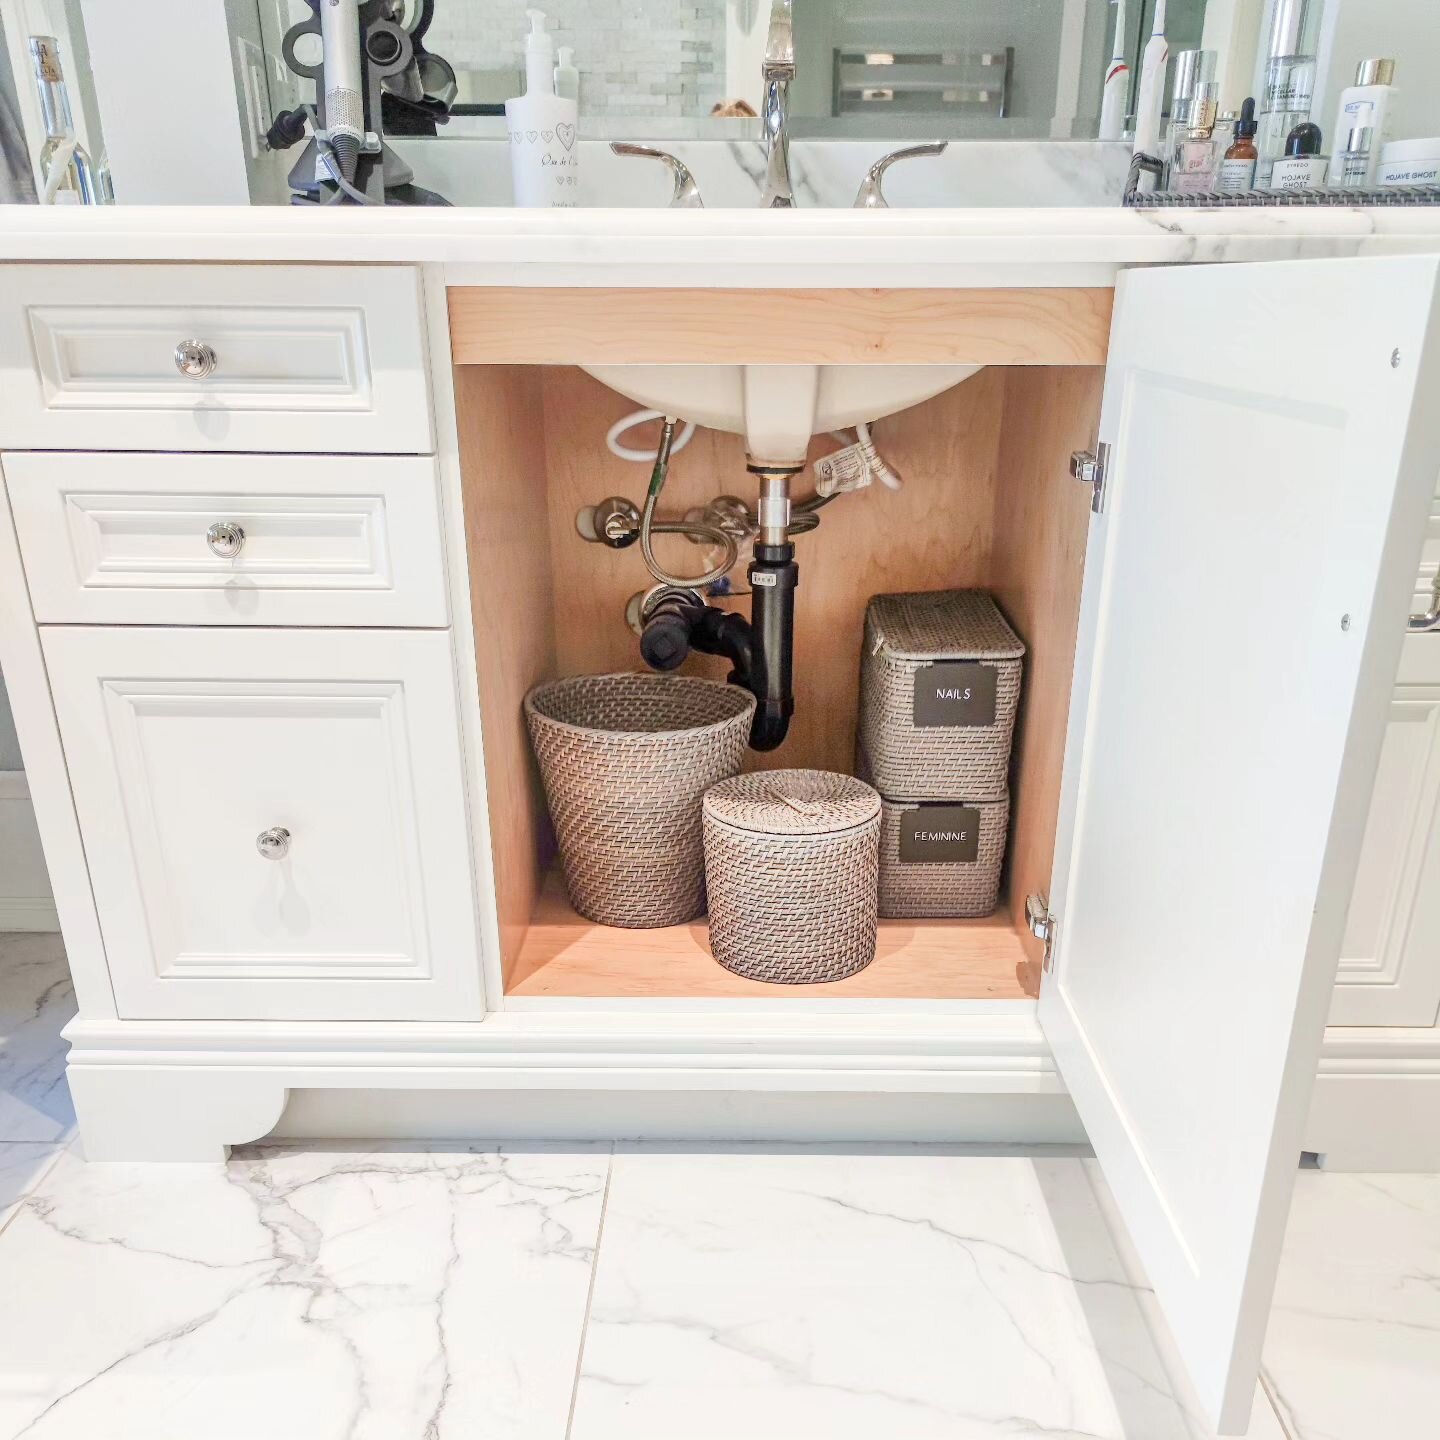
(272,813)
(267,831)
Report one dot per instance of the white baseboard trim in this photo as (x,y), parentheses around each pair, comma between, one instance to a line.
(27,915)
(22,864)
(1376,1100)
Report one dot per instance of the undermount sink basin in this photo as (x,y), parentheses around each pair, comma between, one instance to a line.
(777,408)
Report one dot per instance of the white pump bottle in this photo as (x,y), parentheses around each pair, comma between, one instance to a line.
(543,129)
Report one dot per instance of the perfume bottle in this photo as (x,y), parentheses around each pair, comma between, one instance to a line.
(1193,162)
(65,169)
(1302,167)
(1289,79)
(1194,96)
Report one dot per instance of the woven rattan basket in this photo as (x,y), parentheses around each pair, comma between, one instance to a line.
(792,864)
(963,885)
(939,688)
(626,760)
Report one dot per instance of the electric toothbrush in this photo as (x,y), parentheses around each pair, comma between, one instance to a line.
(1152,88)
(1116,89)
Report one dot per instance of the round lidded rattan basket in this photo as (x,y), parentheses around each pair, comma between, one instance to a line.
(626,760)
(792,865)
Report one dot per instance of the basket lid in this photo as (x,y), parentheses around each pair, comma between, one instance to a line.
(940,624)
(793,802)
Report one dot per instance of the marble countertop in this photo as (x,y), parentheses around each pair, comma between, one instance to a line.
(723,248)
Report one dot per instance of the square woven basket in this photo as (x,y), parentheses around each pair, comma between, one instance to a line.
(942,889)
(939,690)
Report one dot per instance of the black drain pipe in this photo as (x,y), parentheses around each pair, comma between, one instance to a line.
(760,650)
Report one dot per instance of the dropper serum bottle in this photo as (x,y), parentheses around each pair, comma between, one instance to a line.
(1237,169)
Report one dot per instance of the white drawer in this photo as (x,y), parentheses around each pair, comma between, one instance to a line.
(184,746)
(314,358)
(323,540)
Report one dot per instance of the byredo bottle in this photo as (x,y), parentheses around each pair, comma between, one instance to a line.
(1302,167)
(1289,78)
(543,129)
(1237,169)
(1372,88)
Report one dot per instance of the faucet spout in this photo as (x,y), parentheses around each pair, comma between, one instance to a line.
(776,72)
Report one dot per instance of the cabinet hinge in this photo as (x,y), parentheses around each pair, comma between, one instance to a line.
(1043,926)
(1092,467)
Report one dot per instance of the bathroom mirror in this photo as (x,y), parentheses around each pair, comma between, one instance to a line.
(865,69)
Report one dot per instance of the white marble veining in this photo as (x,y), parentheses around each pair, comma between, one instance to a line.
(722,247)
(22,1164)
(469,170)
(36,1001)
(1353,1349)
(301,1295)
(914,1293)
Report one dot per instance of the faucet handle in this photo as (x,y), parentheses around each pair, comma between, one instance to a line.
(871,195)
(686,194)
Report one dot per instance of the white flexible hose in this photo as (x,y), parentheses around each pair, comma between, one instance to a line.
(640,417)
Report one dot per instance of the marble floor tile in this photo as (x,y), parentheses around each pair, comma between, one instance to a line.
(1353,1348)
(911,1293)
(22,1164)
(36,1002)
(301,1294)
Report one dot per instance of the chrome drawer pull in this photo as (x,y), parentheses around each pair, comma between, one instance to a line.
(195,359)
(273,844)
(226,539)
(1430,620)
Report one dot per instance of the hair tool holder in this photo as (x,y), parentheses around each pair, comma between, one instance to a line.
(373,76)
(673,618)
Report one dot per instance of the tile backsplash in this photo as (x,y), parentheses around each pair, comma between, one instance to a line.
(635,57)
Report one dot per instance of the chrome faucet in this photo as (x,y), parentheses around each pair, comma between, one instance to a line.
(776,73)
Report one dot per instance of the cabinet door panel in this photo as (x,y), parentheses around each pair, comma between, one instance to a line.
(1272,463)
(1390,960)
(186,746)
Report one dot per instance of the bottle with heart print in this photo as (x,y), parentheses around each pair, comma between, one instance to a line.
(544,129)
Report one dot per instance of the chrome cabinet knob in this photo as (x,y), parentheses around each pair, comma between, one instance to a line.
(872,189)
(225,539)
(195,359)
(273,844)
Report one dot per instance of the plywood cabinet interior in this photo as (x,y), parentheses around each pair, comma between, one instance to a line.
(987,502)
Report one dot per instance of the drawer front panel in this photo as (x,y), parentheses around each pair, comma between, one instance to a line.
(273,820)
(229,539)
(284,357)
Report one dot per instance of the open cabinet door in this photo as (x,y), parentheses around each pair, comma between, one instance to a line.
(1274,436)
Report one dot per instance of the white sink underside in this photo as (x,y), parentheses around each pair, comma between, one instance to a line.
(777,408)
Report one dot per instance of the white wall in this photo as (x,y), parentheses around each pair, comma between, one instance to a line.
(1408,32)
(166,77)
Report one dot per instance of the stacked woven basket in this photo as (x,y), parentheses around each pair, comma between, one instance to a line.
(939,692)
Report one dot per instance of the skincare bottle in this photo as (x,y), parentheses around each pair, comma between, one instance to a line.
(1353,163)
(1115,91)
(543,129)
(567,77)
(1152,91)
(1289,79)
(1372,87)
(1302,167)
(1237,169)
